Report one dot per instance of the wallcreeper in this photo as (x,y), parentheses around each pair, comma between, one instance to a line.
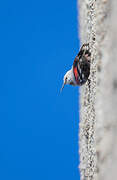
(80,71)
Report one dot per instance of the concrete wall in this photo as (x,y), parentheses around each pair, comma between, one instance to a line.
(98,114)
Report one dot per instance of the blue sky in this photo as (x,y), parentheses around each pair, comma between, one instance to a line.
(38,125)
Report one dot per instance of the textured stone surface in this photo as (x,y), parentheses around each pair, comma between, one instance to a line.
(98,114)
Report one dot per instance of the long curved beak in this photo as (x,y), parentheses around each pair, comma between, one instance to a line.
(62,87)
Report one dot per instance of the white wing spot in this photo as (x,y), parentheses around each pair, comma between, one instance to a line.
(82,76)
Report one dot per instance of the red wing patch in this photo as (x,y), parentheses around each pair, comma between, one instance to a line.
(76,74)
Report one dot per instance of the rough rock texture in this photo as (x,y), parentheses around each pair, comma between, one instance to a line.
(98,117)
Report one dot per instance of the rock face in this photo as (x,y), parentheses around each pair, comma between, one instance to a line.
(98,114)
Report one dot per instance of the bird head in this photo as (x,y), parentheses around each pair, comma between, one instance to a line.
(68,79)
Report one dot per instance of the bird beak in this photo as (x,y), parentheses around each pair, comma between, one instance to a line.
(62,86)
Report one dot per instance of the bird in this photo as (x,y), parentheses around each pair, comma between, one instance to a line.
(80,71)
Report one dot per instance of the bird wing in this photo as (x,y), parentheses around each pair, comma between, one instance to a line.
(76,70)
(81,65)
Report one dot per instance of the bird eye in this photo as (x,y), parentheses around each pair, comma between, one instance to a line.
(66,79)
